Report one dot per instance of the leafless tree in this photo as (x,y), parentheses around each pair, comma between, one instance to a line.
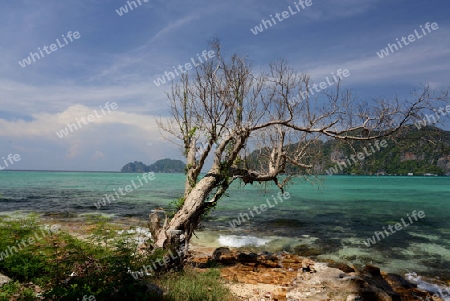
(229,109)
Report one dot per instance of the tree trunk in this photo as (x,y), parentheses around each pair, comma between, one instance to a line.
(178,232)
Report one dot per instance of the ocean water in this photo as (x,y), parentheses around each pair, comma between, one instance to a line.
(327,220)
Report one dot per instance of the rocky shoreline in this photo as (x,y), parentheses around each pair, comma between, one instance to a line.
(287,277)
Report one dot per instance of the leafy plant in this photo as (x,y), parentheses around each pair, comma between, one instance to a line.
(98,264)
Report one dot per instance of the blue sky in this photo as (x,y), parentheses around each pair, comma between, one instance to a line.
(117,58)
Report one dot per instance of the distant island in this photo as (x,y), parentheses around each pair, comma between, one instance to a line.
(160,166)
(424,152)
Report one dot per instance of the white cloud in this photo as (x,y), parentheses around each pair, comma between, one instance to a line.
(174,25)
(27,99)
(98,155)
(74,149)
(45,125)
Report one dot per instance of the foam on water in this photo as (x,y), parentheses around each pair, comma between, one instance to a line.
(432,249)
(241,241)
(442,291)
(429,236)
(141,235)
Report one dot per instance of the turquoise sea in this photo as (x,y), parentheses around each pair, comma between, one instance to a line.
(328,220)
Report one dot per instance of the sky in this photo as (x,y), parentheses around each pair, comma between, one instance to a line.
(113,58)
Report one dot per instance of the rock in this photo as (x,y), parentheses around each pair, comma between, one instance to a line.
(372,270)
(354,298)
(306,263)
(251,274)
(200,262)
(270,261)
(224,255)
(374,278)
(398,281)
(247,258)
(4,280)
(154,291)
(307,266)
(293,278)
(342,266)
(279,294)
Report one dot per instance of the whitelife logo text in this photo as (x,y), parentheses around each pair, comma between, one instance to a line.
(49,49)
(11,158)
(124,9)
(361,157)
(90,118)
(146,177)
(340,74)
(397,227)
(188,66)
(411,38)
(280,17)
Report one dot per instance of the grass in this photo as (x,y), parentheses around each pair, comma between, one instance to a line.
(190,285)
(55,265)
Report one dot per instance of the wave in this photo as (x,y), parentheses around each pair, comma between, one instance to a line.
(241,241)
(440,290)
(140,235)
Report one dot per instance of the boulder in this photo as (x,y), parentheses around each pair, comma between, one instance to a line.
(372,270)
(4,280)
(154,291)
(224,255)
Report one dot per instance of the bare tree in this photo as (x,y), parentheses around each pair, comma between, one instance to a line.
(229,109)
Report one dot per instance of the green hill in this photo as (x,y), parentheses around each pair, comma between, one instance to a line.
(424,151)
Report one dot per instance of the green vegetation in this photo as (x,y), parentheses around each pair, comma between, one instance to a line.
(176,205)
(164,166)
(413,151)
(59,266)
(194,286)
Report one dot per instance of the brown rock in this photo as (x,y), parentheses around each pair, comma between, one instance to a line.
(279,294)
(397,281)
(247,258)
(201,262)
(372,270)
(294,278)
(271,264)
(341,266)
(224,255)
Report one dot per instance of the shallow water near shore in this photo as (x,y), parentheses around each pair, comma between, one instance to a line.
(327,221)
